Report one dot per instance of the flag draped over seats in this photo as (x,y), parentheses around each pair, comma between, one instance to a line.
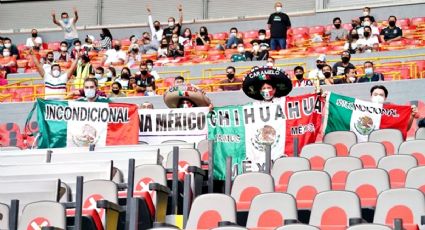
(74,123)
(362,117)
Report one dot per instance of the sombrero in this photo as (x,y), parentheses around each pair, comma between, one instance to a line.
(186,91)
(260,75)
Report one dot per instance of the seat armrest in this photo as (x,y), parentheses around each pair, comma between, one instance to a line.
(159,188)
(122,186)
(69,205)
(195,169)
(422,220)
(226,223)
(50,228)
(290,221)
(356,220)
(161,225)
(109,205)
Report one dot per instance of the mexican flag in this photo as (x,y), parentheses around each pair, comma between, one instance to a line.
(76,124)
(362,117)
(241,131)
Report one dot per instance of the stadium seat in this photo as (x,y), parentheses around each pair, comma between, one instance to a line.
(10,135)
(415,178)
(391,138)
(397,167)
(270,210)
(342,140)
(298,227)
(203,149)
(418,21)
(4,213)
(369,227)
(248,185)
(317,154)
(338,169)
(284,167)
(42,214)
(334,209)
(144,175)
(230,228)
(415,148)
(420,134)
(304,185)
(367,184)
(209,209)
(368,152)
(403,203)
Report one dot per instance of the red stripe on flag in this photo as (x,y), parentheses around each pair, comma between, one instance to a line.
(124,133)
(399,122)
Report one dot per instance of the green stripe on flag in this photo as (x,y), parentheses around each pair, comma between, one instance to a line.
(339,114)
(53,134)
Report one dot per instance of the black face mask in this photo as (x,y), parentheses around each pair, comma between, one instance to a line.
(366,34)
(202,33)
(319,66)
(125,76)
(34,35)
(345,59)
(102,36)
(337,26)
(144,72)
(116,91)
(327,74)
(135,50)
(230,75)
(156,27)
(391,23)
(50,59)
(355,36)
(299,76)
(117,47)
(164,45)
(353,25)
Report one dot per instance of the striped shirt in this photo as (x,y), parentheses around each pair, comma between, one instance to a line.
(55,87)
(106,43)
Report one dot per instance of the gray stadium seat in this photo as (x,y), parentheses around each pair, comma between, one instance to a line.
(415,178)
(298,227)
(391,138)
(341,140)
(317,154)
(4,212)
(368,152)
(420,134)
(284,167)
(397,167)
(415,148)
(42,214)
(369,227)
(338,169)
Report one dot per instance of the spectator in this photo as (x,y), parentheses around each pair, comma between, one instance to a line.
(270,62)
(262,40)
(91,92)
(1,44)
(63,55)
(368,22)
(12,47)
(148,47)
(179,80)
(348,77)
(77,49)
(124,78)
(186,39)
(234,39)
(241,55)
(116,90)
(115,56)
(48,61)
(88,45)
(146,105)
(366,13)
(174,28)
(369,42)
(392,32)
(34,40)
(299,75)
(68,26)
(84,71)
(352,44)
(337,33)
(339,67)
(257,54)
(421,123)
(8,63)
(111,74)
(278,24)
(163,48)
(355,23)
(154,73)
(133,56)
(150,91)
(327,72)
(105,39)
(132,83)
(174,48)
(370,74)
(202,38)
(144,79)
(316,75)
(55,80)
(100,76)
(231,83)
(155,27)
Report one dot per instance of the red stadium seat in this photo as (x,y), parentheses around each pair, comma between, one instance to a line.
(320,30)
(338,169)
(317,154)
(415,148)
(300,30)
(368,152)
(341,140)
(418,21)
(284,167)
(397,167)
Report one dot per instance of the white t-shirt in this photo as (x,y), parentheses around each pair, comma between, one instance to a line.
(353,45)
(155,74)
(113,55)
(69,29)
(30,41)
(368,42)
(313,74)
(375,31)
(55,85)
(156,35)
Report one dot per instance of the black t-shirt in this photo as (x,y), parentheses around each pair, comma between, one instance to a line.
(391,33)
(279,24)
(148,81)
(340,71)
(199,41)
(168,32)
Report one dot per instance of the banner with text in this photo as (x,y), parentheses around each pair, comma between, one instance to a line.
(241,131)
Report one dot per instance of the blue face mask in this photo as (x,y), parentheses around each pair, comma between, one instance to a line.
(65,20)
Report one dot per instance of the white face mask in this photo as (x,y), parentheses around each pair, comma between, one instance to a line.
(232,34)
(98,76)
(368,71)
(256,47)
(266,94)
(90,93)
(352,79)
(175,39)
(270,64)
(241,49)
(170,24)
(7,45)
(278,9)
(378,99)
(109,74)
(151,93)
(6,54)
(184,106)
(262,37)
(366,23)
(56,73)
(149,67)
(365,13)
(77,48)
(64,49)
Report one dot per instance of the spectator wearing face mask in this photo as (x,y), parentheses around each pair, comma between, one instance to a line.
(91,92)
(150,91)
(337,33)
(77,49)
(369,42)
(279,24)
(262,40)
(270,62)
(392,32)
(100,76)
(68,26)
(105,39)
(134,42)
(144,79)
(232,83)
(48,61)
(355,23)
(339,67)
(202,38)
(241,55)
(179,80)
(146,105)
(186,38)
(234,39)
(111,73)
(8,63)
(368,22)
(151,70)
(316,75)
(89,44)
(124,78)
(133,56)
(63,55)
(366,13)
(84,71)
(352,44)
(173,27)
(370,75)
(163,48)
(300,80)
(155,27)
(12,47)
(147,46)
(55,80)
(256,53)
(175,49)
(116,90)
(115,56)
(348,77)
(327,72)
(34,40)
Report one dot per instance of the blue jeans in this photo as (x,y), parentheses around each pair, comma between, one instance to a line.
(274,42)
(70,43)
(231,41)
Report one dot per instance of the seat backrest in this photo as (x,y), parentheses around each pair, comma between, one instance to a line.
(407,204)
(338,169)
(415,148)
(367,184)
(43,213)
(284,167)
(209,209)
(317,154)
(100,190)
(420,134)
(203,147)
(341,140)
(304,185)
(173,141)
(334,209)
(190,157)
(270,210)
(298,227)
(415,178)
(368,152)
(248,185)
(146,174)
(4,212)
(27,158)
(369,226)
(391,138)
(397,167)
